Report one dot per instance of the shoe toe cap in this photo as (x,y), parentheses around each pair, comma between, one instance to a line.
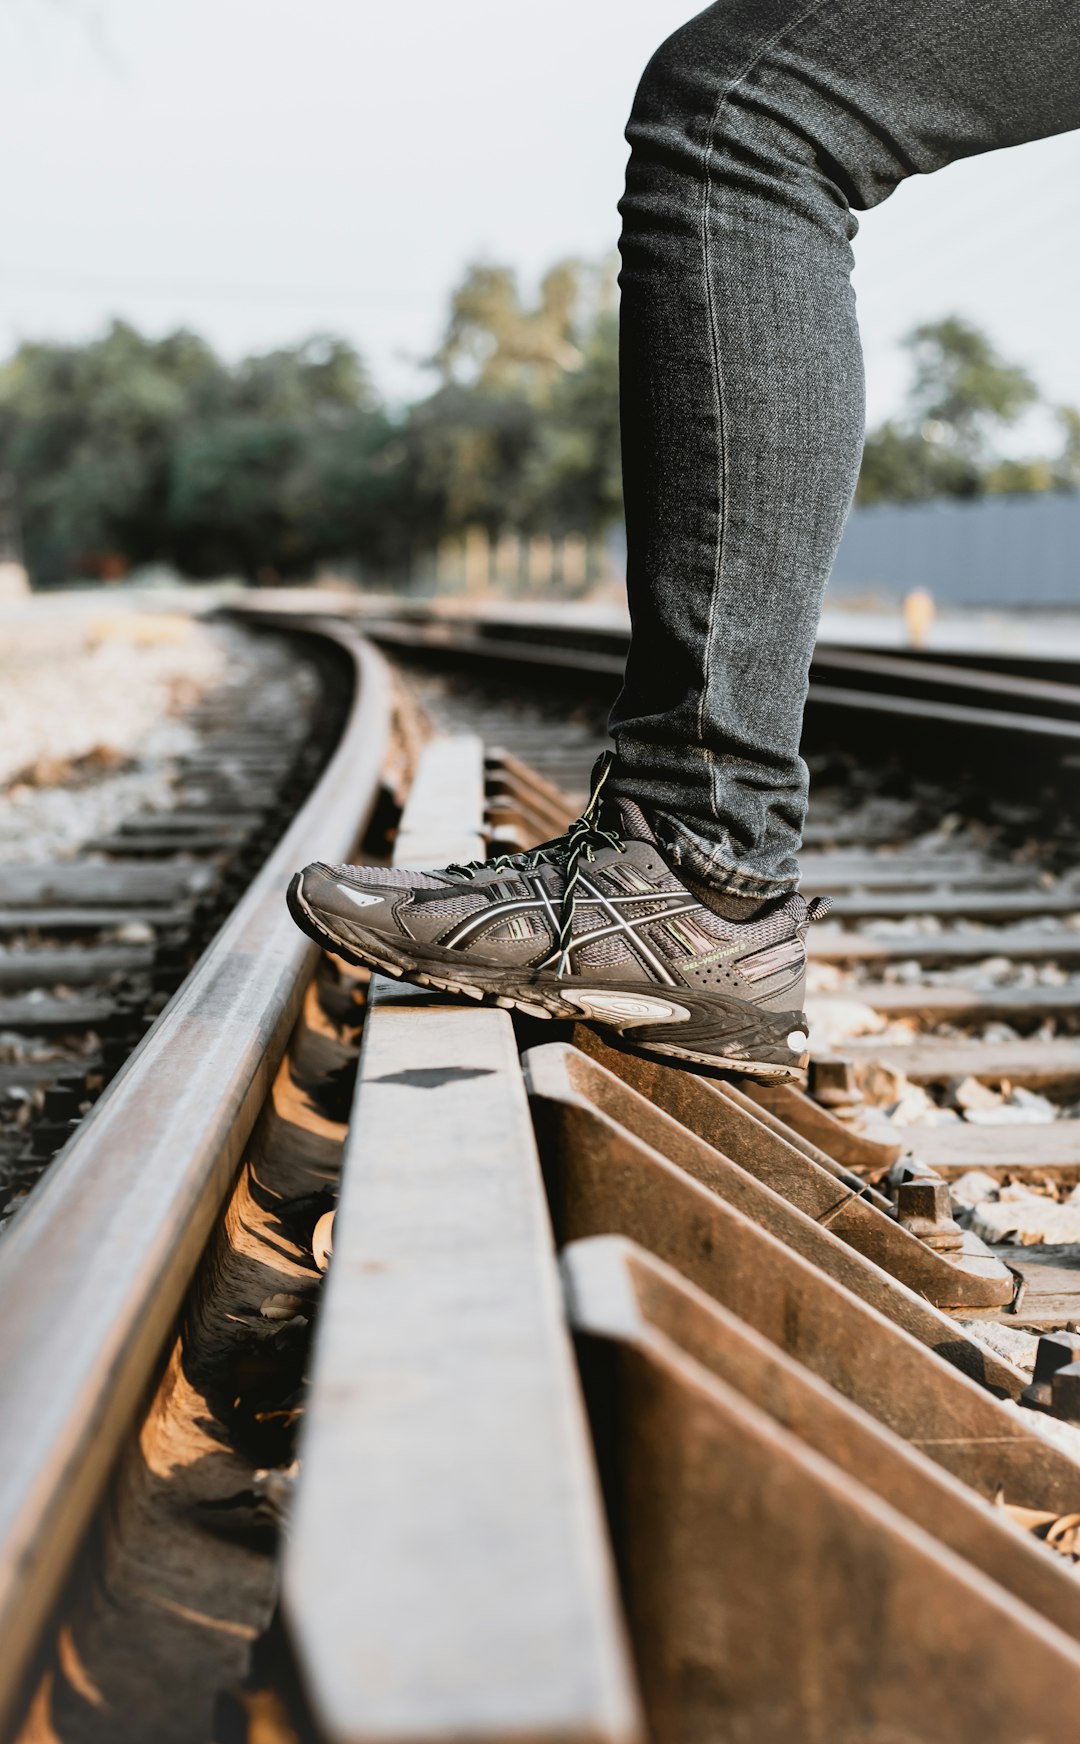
(327,893)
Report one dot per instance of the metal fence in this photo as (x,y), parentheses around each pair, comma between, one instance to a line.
(996,551)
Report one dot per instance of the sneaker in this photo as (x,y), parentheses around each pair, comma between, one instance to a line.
(594,926)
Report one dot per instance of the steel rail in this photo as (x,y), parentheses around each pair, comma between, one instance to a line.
(468,642)
(93,1271)
(917,668)
(961,698)
(444,1438)
(935,713)
(921,676)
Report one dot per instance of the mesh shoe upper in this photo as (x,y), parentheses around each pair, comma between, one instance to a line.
(615,913)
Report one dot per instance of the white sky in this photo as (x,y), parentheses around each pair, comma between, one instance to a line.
(259,169)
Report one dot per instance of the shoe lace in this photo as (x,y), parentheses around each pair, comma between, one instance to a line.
(580,842)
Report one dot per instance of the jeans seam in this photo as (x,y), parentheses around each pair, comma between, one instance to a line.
(718,378)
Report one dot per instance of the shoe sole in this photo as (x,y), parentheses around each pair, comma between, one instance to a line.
(631,1012)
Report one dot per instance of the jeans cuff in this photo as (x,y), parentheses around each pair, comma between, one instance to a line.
(708,863)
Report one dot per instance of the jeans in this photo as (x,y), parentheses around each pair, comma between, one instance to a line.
(756,130)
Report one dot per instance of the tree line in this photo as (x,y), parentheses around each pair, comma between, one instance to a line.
(128,450)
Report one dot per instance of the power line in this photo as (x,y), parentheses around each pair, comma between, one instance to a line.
(65,284)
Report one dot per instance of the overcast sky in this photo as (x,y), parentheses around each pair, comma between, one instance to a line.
(258,170)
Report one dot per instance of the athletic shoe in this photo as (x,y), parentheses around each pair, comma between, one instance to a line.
(594,925)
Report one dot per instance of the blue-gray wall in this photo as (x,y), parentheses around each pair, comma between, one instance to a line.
(1022,550)
(996,551)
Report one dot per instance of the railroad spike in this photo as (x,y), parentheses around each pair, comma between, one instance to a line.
(924,1208)
(1056,1351)
(1065,1392)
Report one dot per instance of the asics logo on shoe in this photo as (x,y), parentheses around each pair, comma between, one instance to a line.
(361,898)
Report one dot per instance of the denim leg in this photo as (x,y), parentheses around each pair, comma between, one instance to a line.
(757,129)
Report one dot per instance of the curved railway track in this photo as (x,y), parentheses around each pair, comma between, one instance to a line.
(95,1267)
(816,1491)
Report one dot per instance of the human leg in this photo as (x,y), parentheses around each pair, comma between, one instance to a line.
(758,129)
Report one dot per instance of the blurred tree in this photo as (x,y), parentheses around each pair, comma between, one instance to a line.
(574,482)
(963,393)
(962,397)
(523,432)
(497,344)
(322,379)
(1067,464)
(284,475)
(466,450)
(1014,477)
(900,464)
(86,431)
(129,450)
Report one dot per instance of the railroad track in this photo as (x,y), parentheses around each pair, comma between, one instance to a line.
(804,1499)
(92,947)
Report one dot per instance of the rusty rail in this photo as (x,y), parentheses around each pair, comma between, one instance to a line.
(94,1269)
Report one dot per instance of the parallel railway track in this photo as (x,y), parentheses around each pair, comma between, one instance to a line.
(808,1502)
(92,947)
